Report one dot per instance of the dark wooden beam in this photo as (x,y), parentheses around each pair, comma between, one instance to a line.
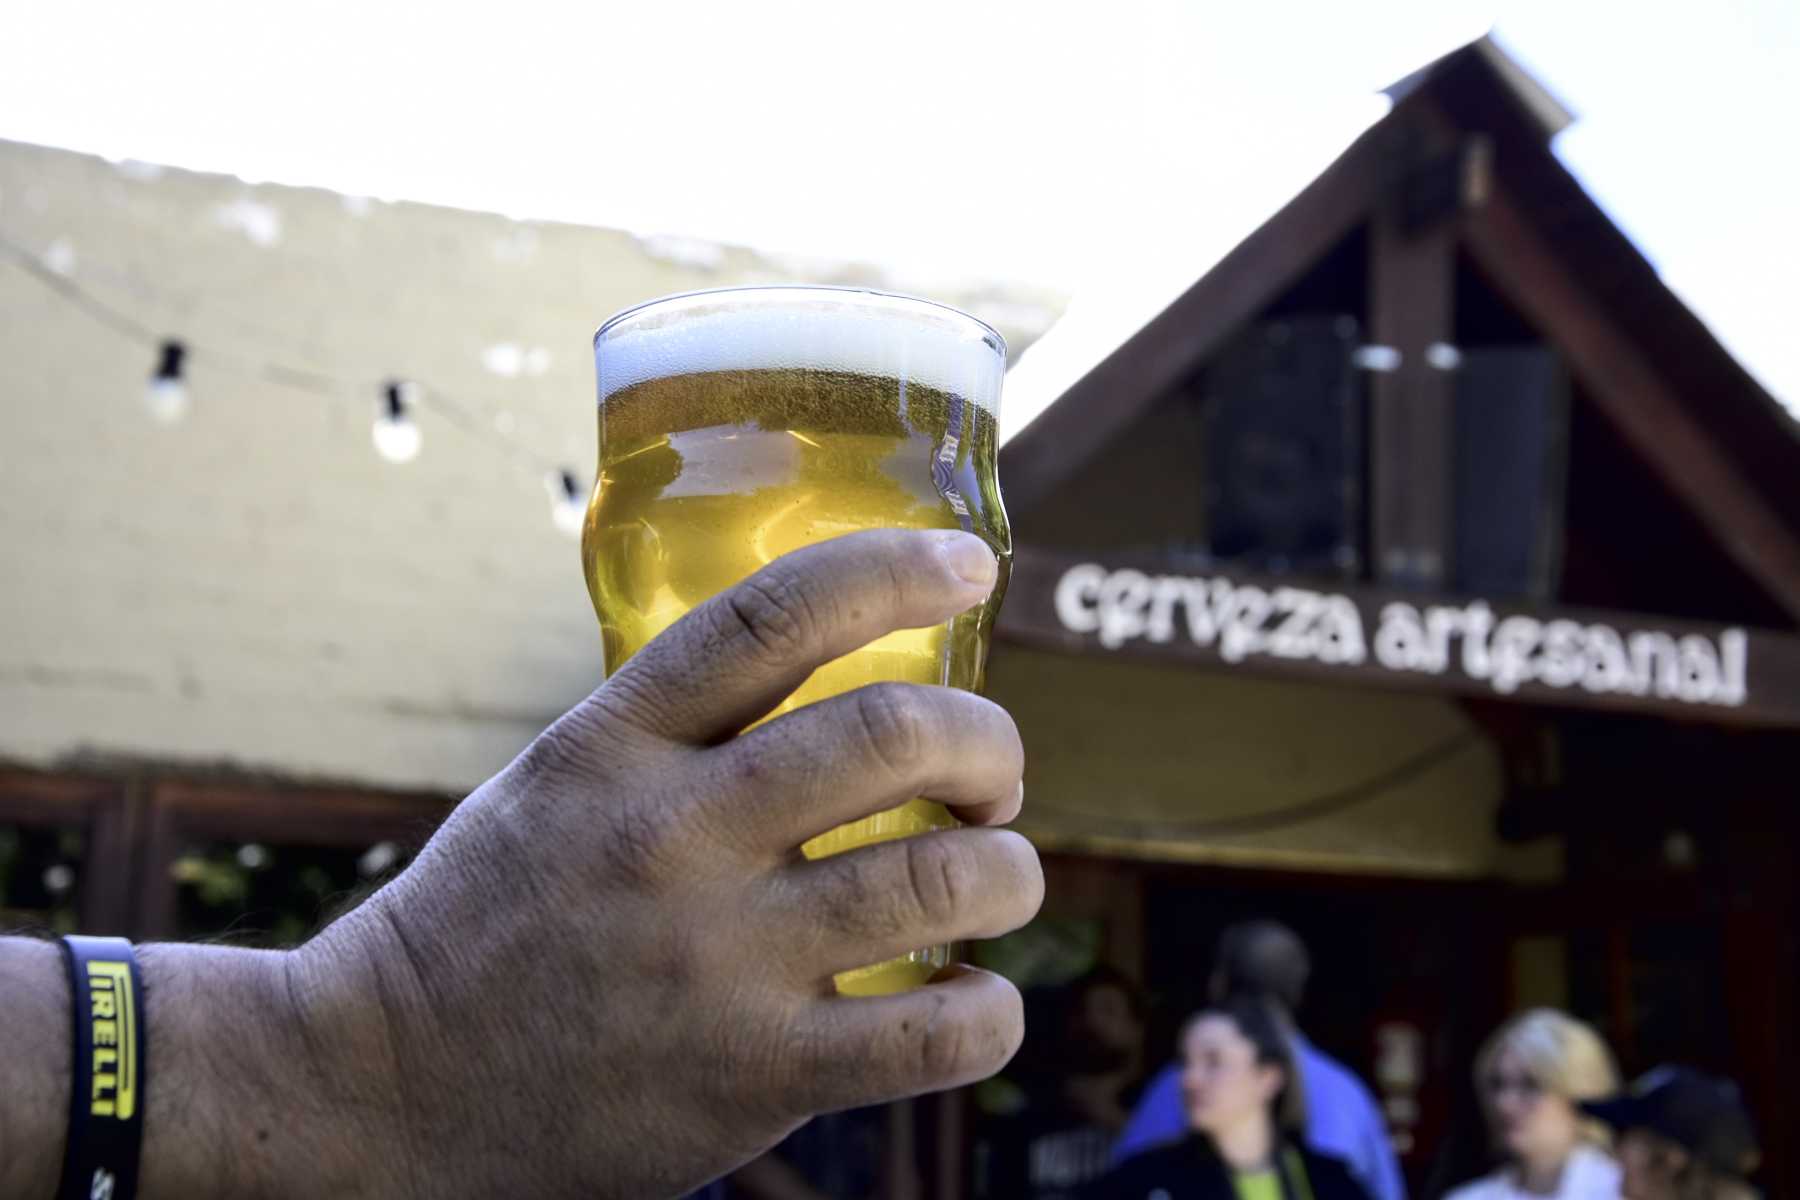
(179,812)
(1762,985)
(1287,628)
(1645,410)
(298,815)
(1167,351)
(1412,287)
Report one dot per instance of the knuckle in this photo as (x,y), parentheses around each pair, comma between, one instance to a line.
(834,901)
(942,876)
(898,586)
(630,700)
(562,749)
(613,726)
(892,718)
(854,893)
(965,1039)
(575,743)
(990,1035)
(768,1053)
(773,609)
(941,1045)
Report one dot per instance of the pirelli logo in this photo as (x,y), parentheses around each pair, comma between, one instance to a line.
(115,1040)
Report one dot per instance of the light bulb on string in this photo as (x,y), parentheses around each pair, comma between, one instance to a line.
(166,396)
(568,508)
(396,434)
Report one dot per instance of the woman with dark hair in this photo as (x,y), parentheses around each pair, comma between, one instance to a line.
(1245,1111)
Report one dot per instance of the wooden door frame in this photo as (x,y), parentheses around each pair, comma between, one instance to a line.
(106,810)
(179,811)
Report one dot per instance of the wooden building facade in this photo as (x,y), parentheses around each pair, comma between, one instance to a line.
(1429,577)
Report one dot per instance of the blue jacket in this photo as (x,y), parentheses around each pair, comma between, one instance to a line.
(1341,1120)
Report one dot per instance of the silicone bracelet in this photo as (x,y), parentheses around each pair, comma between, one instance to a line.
(106,1088)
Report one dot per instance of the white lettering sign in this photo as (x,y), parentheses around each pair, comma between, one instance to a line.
(1242,621)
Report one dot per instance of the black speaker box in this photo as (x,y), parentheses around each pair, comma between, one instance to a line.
(1282,414)
(1511,444)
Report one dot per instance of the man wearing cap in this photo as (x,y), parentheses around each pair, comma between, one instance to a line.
(1682,1136)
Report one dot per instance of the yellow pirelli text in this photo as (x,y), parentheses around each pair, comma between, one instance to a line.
(115,1040)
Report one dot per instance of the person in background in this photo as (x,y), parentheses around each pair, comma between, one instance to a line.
(1532,1076)
(1106,1030)
(1267,960)
(1682,1136)
(1245,1109)
(1084,1069)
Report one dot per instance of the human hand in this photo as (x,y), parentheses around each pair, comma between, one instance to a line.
(610,972)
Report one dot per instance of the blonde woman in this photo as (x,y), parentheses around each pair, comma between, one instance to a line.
(1532,1076)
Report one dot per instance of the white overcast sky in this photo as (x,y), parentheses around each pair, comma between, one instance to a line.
(1110,150)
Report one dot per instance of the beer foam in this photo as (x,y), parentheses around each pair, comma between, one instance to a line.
(812,328)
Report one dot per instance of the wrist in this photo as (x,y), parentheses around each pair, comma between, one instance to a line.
(239,1099)
(445,1070)
(343,1009)
(34,1045)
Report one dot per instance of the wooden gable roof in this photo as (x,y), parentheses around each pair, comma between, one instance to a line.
(1719,442)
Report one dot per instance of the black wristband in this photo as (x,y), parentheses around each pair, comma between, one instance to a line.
(106,1088)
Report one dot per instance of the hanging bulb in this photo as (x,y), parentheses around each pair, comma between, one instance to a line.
(396,434)
(167,396)
(567,508)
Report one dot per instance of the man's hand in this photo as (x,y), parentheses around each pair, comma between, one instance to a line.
(609,973)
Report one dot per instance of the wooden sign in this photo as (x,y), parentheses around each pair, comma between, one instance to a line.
(1403,639)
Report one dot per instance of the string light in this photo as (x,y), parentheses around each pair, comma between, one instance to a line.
(167,396)
(377,858)
(396,432)
(568,510)
(1380,359)
(397,435)
(1442,356)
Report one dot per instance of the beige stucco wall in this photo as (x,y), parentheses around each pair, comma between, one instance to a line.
(1139,760)
(254,586)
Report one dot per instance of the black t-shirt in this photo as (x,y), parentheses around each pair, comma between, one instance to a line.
(1044,1153)
(1192,1170)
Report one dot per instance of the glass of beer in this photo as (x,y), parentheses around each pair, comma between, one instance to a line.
(740,424)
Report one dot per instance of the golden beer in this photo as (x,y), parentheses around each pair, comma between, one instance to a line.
(736,426)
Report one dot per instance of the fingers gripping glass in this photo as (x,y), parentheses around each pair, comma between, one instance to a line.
(739,425)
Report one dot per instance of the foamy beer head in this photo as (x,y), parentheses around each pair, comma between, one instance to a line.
(738,425)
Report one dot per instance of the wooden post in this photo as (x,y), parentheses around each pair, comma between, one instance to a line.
(951,1141)
(106,902)
(1412,284)
(1761,988)
(1620,1013)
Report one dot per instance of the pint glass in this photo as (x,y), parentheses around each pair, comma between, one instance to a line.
(738,425)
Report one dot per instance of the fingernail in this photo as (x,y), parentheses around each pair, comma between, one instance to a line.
(971,559)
